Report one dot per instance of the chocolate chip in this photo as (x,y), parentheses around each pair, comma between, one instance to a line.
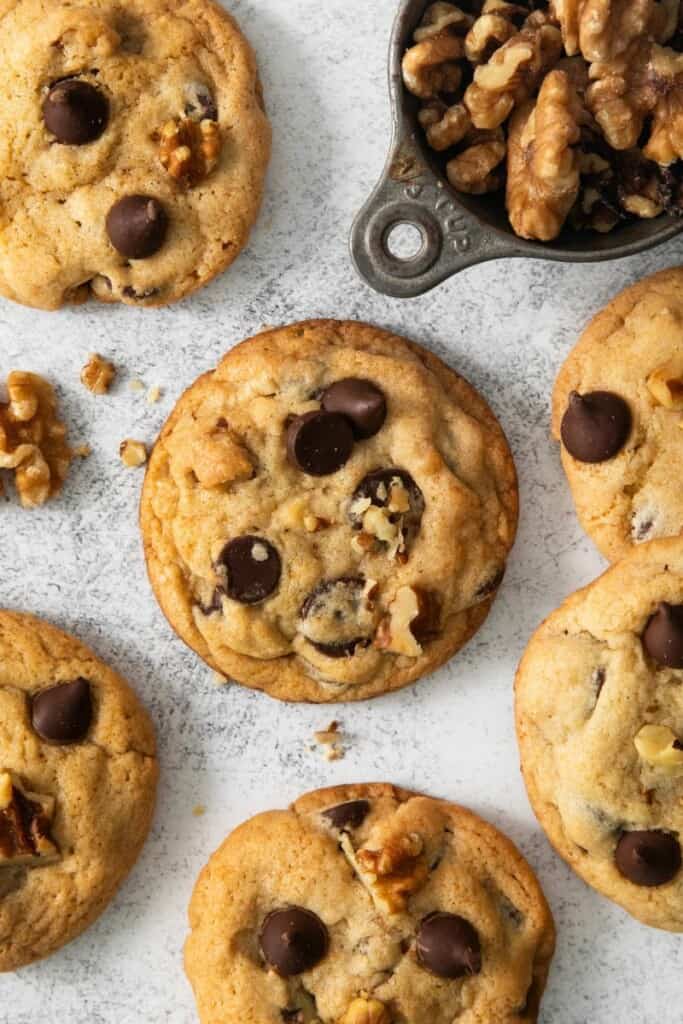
(63,713)
(253,569)
(348,816)
(319,443)
(448,945)
(663,635)
(361,402)
(595,426)
(648,858)
(337,618)
(75,112)
(293,940)
(199,103)
(137,226)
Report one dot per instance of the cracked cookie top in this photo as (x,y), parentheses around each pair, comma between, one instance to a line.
(328,514)
(367,904)
(600,725)
(133,147)
(78,775)
(618,412)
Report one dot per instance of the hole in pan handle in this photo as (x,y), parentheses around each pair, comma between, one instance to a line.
(410,196)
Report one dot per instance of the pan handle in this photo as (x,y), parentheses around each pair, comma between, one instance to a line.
(409,193)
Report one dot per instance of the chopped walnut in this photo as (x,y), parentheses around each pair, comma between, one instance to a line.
(602,29)
(133,453)
(474,170)
(97,374)
(393,873)
(412,617)
(498,22)
(661,748)
(543,166)
(33,439)
(218,458)
(512,75)
(666,384)
(25,820)
(189,149)
(366,1011)
(444,126)
(331,740)
(442,18)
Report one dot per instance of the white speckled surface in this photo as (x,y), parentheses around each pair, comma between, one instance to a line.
(78,562)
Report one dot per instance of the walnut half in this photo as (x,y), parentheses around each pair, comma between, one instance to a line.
(189,149)
(412,617)
(390,874)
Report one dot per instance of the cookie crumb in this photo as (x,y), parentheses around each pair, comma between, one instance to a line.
(153,395)
(198,811)
(331,740)
(133,453)
(136,385)
(219,679)
(82,451)
(97,374)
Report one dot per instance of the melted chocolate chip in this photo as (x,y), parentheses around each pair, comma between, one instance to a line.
(595,426)
(336,618)
(253,568)
(448,946)
(199,103)
(75,112)
(137,226)
(648,858)
(293,940)
(319,443)
(346,817)
(663,635)
(63,714)
(361,402)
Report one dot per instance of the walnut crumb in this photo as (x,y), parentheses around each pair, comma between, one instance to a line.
(136,385)
(97,374)
(82,451)
(153,395)
(330,738)
(133,453)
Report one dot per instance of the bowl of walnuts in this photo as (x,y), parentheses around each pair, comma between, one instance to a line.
(544,129)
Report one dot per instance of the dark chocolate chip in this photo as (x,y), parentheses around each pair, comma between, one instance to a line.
(360,401)
(319,443)
(663,635)
(137,226)
(448,945)
(648,858)
(595,426)
(199,103)
(75,112)
(347,816)
(293,940)
(63,713)
(253,569)
(332,614)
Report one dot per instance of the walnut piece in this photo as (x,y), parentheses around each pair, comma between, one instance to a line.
(666,384)
(218,458)
(444,126)
(98,374)
(33,439)
(442,18)
(25,820)
(498,22)
(512,75)
(474,170)
(661,748)
(133,453)
(366,1011)
(189,149)
(431,67)
(543,166)
(412,617)
(393,873)
(601,29)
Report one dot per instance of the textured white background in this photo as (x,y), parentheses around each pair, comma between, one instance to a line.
(78,562)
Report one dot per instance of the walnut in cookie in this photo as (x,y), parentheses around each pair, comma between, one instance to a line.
(327,515)
(401,908)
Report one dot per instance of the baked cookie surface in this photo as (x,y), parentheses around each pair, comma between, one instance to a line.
(78,776)
(600,725)
(368,903)
(618,410)
(328,514)
(133,148)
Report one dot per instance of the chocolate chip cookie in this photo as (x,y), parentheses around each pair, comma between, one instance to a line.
(78,776)
(328,514)
(600,725)
(133,148)
(618,412)
(368,904)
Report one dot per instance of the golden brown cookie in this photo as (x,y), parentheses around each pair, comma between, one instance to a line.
(600,726)
(78,775)
(328,514)
(133,148)
(618,411)
(367,904)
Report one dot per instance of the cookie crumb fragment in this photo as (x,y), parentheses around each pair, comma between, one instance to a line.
(98,374)
(330,739)
(153,395)
(82,451)
(133,453)
(198,811)
(136,385)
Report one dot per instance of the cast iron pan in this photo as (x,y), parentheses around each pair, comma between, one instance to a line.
(457,231)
